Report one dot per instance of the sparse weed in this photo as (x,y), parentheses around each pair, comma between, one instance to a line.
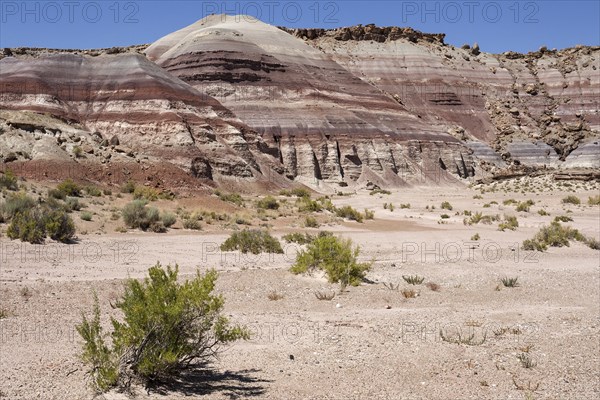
(413,279)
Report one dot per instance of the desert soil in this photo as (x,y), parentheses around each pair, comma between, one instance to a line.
(369,342)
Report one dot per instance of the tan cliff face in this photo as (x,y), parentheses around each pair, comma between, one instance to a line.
(236,99)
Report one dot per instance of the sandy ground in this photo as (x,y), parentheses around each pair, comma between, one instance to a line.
(368,342)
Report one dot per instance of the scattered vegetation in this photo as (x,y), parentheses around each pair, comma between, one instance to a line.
(391,285)
(297,192)
(349,213)
(167,328)
(475,237)
(543,212)
(446,206)
(480,218)
(336,257)
(252,241)
(459,338)
(379,191)
(69,188)
(563,218)
(526,361)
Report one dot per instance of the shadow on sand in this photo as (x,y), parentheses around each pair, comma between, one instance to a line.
(234,384)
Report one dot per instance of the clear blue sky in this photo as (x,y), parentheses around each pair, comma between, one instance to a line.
(496,25)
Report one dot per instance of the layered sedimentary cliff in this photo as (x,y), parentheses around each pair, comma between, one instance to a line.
(236,98)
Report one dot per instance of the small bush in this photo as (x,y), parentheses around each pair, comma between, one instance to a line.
(444,216)
(73,204)
(349,213)
(59,226)
(167,328)
(475,237)
(510,223)
(300,192)
(86,216)
(524,206)
(268,203)
(69,188)
(413,279)
(509,202)
(137,215)
(336,257)
(234,198)
(404,206)
(93,191)
(563,218)
(311,222)
(56,194)
(305,204)
(168,219)
(571,200)
(379,191)
(128,187)
(369,214)
(145,193)
(409,293)
(446,206)
(8,181)
(510,282)
(594,200)
(252,241)
(543,212)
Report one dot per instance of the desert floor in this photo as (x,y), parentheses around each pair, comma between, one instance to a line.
(369,342)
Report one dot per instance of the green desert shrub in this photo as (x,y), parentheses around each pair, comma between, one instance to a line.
(28,226)
(146,193)
(444,216)
(86,216)
(17,203)
(510,222)
(69,188)
(524,206)
(571,200)
(168,219)
(369,214)
(336,257)
(553,235)
(72,204)
(305,204)
(33,225)
(252,241)
(93,191)
(8,181)
(446,206)
(138,215)
(413,279)
(268,203)
(349,213)
(299,238)
(234,198)
(164,329)
(59,226)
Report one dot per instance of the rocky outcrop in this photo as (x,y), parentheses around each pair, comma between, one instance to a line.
(232,99)
(137,108)
(325,123)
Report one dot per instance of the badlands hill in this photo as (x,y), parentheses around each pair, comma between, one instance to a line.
(234,101)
